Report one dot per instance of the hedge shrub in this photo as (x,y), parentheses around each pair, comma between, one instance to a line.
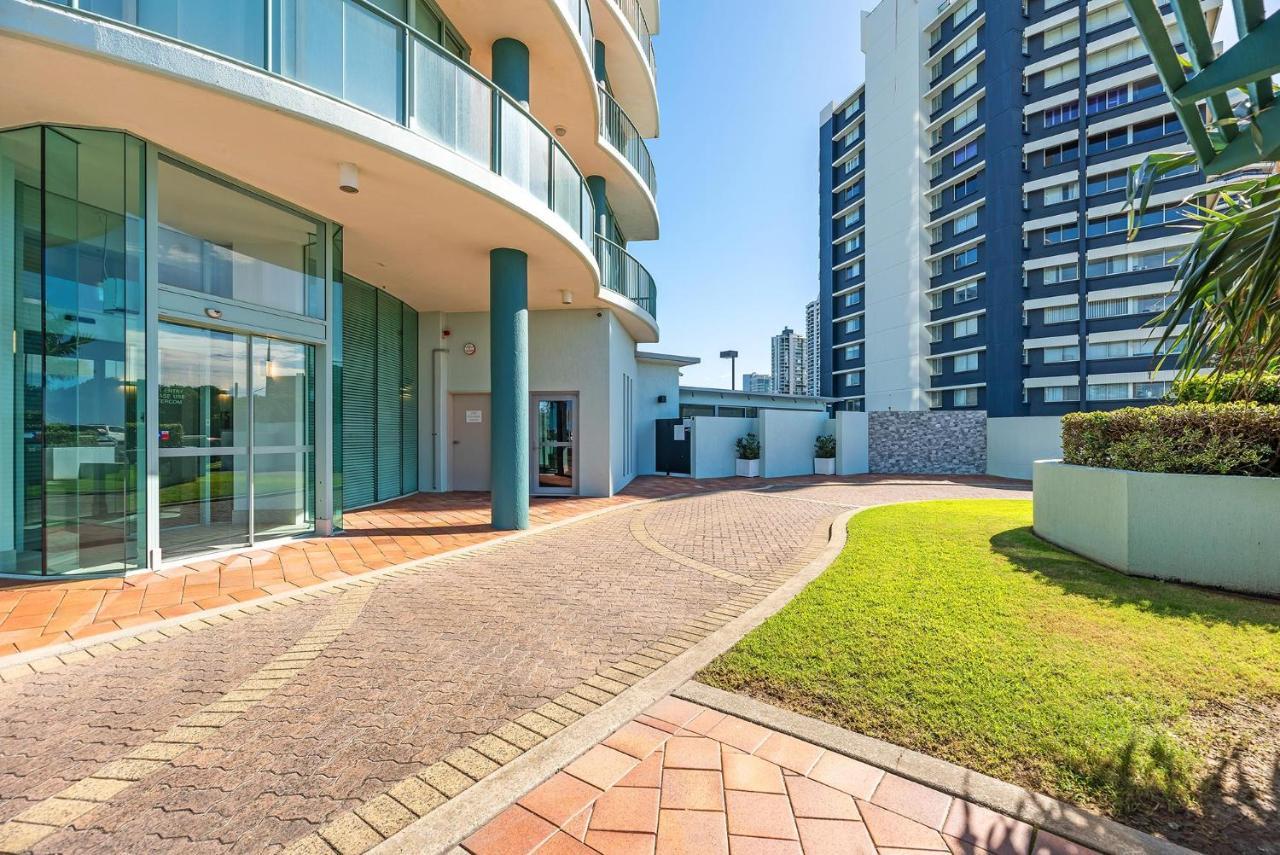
(1200,439)
(1227,388)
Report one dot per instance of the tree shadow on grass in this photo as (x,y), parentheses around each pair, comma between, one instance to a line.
(1074,574)
(1237,785)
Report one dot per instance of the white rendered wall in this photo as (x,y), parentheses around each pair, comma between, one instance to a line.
(851,443)
(569,351)
(1014,444)
(896,306)
(714,454)
(624,399)
(786,441)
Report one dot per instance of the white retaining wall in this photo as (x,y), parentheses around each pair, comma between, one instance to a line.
(1014,444)
(786,441)
(713,454)
(851,443)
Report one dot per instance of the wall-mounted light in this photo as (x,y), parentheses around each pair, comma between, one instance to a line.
(348,178)
(662,399)
(213,313)
(561,130)
(566,297)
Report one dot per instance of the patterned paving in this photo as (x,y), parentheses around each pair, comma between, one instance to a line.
(682,778)
(444,672)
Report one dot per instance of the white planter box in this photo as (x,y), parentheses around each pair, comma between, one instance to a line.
(748,468)
(824,466)
(1214,530)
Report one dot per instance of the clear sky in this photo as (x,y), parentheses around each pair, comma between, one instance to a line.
(740,86)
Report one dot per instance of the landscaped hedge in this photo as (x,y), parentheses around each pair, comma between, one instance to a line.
(1227,388)
(1199,439)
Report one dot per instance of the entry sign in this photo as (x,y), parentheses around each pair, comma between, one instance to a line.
(475,417)
(679,433)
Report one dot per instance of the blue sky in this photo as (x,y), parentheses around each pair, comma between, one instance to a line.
(740,87)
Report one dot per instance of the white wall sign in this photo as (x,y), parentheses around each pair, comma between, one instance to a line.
(475,417)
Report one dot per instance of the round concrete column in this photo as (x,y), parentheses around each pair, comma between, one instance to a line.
(511,69)
(597,186)
(602,74)
(509,386)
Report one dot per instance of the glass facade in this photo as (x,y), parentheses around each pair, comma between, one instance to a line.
(71,272)
(235,435)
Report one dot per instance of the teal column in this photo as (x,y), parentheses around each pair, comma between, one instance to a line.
(511,69)
(509,385)
(597,186)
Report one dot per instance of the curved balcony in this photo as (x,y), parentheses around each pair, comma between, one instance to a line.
(617,129)
(622,274)
(360,55)
(624,28)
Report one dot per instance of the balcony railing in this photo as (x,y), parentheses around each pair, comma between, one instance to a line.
(579,11)
(622,274)
(632,11)
(621,133)
(358,54)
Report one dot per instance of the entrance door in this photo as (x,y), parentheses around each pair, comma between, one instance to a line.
(237,429)
(555,444)
(469,437)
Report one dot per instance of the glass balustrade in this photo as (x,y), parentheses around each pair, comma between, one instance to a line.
(355,51)
(622,274)
(617,128)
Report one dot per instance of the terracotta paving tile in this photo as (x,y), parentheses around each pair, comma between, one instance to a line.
(957,847)
(847,775)
(739,733)
(915,801)
(682,832)
(515,831)
(704,721)
(812,800)
(647,774)
(1052,844)
(620,843)
(632,809)
(692,789)
(789,752)
(891,829)
(638,740)
(747,772)
(983,827)
(602,766)
(835,837)
(760,815)
(739,845)
(691,752)
(564,844)
(676,711)
(658,724)
(577,826)
(560,798)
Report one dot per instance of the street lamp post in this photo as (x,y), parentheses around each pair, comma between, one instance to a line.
(732,356)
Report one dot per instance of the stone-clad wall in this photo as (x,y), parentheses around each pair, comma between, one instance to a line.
(935,443)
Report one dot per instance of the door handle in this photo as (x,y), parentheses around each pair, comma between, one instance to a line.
(457,442)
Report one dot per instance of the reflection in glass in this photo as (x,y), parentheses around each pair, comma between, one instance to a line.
(526,151)
(555,428)
(204,503)
(283,438)
(233,28)
(203,390)
(219,240)
(93,350)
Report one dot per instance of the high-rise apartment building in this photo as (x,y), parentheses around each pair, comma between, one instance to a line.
(993,140)
(788,363)
(812,347)
(757,383)
(274,261)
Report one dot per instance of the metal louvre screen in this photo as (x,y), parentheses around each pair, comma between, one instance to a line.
(379,396)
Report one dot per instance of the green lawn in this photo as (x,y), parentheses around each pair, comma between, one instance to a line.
(948,627)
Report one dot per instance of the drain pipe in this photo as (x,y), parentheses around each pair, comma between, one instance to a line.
(437,440)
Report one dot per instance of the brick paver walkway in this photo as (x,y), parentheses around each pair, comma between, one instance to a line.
(683,779)
(336,720)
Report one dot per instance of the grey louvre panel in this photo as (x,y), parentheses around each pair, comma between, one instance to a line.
(359,374)
(388,384)
(409,404)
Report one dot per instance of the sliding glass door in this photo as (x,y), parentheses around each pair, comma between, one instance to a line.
(237,439)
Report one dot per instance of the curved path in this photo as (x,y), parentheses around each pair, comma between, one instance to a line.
(332,721)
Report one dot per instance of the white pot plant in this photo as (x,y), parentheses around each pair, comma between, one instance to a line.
(748,456)
(824,455)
